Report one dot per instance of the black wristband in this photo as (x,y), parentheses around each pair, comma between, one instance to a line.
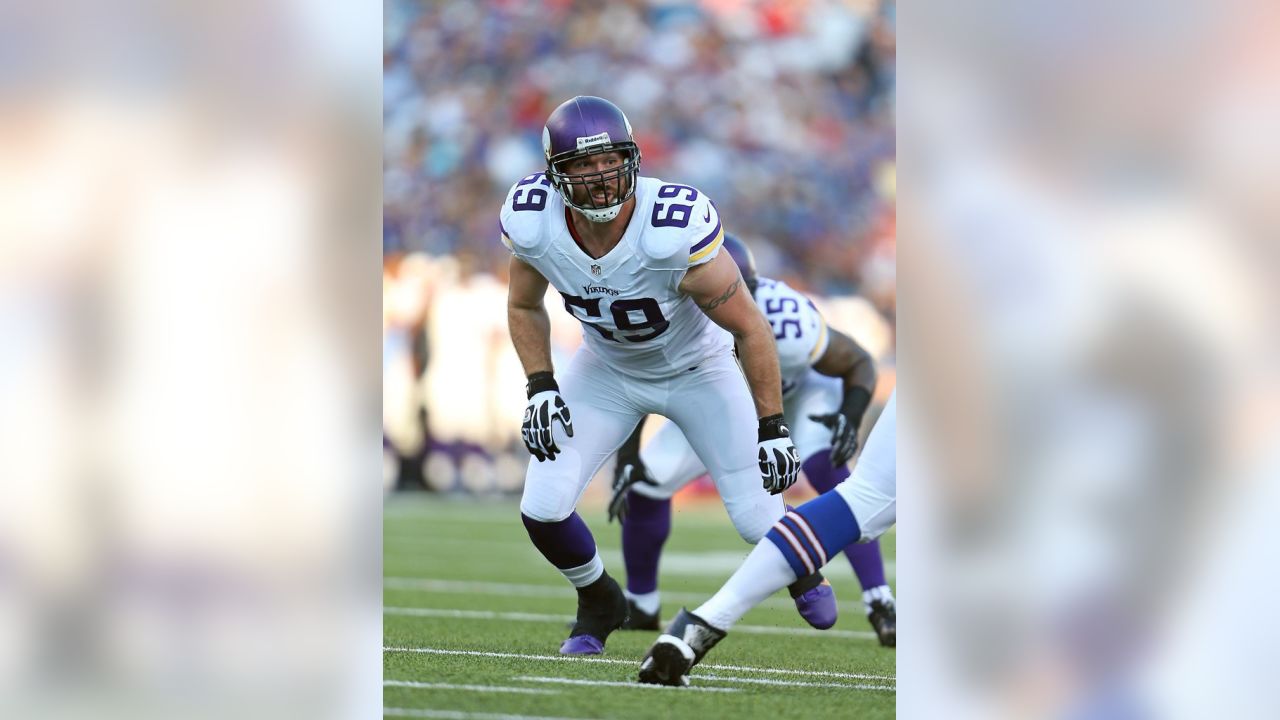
(539,382)
(855,403)
(773,427)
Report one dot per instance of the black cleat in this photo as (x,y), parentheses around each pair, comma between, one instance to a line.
(884,620)
(640,620)
(667,663)
(686,641)
(602,608)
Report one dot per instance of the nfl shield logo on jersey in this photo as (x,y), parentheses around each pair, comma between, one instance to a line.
(595,270)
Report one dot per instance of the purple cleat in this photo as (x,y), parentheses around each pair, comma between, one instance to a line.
(582,645)
(818,606)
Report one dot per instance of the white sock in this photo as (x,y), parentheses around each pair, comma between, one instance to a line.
(584,575)
(764,572)
(648,603)
(882,593)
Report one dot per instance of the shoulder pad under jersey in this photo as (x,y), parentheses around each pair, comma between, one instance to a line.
(523,223)
(800,331)
(682,226)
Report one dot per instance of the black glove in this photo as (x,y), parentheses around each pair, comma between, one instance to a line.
(779,459)
(628,472)
(545,407)
(844,424)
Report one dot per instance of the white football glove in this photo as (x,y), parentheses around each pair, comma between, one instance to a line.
(779,459)
(545,408)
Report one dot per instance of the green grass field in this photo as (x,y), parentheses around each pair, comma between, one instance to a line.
(474,616)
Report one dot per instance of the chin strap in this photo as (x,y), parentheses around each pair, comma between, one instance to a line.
(600,216)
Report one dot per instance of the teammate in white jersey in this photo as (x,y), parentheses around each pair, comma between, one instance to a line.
(637,261)
(827,382)
(859,510)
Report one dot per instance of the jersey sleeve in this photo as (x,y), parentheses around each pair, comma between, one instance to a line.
(682,228)
(706,232)
(523,214)
(819,327)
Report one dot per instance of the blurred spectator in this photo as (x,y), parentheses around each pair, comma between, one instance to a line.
(781,111)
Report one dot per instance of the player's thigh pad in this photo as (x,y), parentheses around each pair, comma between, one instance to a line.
(712,406)
(872,490)
(602,418)
(671,462)
(817,394)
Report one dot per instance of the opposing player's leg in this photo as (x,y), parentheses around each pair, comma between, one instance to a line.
(712,406)
(817,394)
(868,565)
(672,464)
(794,547)
(604,417)
(801,542)
(872,490)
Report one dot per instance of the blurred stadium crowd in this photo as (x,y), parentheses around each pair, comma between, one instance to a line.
(782,111)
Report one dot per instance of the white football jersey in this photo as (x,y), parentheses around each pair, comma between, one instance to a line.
(628,301)
(798,329)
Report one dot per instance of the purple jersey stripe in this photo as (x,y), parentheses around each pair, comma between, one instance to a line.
(706,240)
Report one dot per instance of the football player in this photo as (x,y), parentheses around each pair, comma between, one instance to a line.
(637,260)
(827,382)
(858,510)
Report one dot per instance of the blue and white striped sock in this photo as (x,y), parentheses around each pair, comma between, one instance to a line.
(811,534)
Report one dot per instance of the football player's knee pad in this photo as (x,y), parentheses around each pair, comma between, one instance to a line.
(551,489)
(655,492)
(875,510)
(753,518)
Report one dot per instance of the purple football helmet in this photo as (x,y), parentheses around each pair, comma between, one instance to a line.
(746,262)
(585,126)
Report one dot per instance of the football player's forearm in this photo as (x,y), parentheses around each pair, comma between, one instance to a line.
(862,376)
(531,336)
(759,357)
(849,361)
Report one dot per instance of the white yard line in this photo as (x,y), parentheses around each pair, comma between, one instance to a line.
(791,683)
(459,715)
(615,683)
(564,591)
(475,688)
(402,548)
(612,661)
(564,619)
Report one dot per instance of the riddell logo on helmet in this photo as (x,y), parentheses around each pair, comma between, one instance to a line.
(586,142)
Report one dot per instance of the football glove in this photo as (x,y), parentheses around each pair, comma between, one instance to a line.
(779,459)
(544,409)
(628,472)
(844,424)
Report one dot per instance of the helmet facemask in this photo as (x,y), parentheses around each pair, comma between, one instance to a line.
(579,191)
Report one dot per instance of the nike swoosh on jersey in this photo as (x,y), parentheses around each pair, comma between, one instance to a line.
(708,217)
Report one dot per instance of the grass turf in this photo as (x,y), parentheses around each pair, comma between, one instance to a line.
(462,577)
